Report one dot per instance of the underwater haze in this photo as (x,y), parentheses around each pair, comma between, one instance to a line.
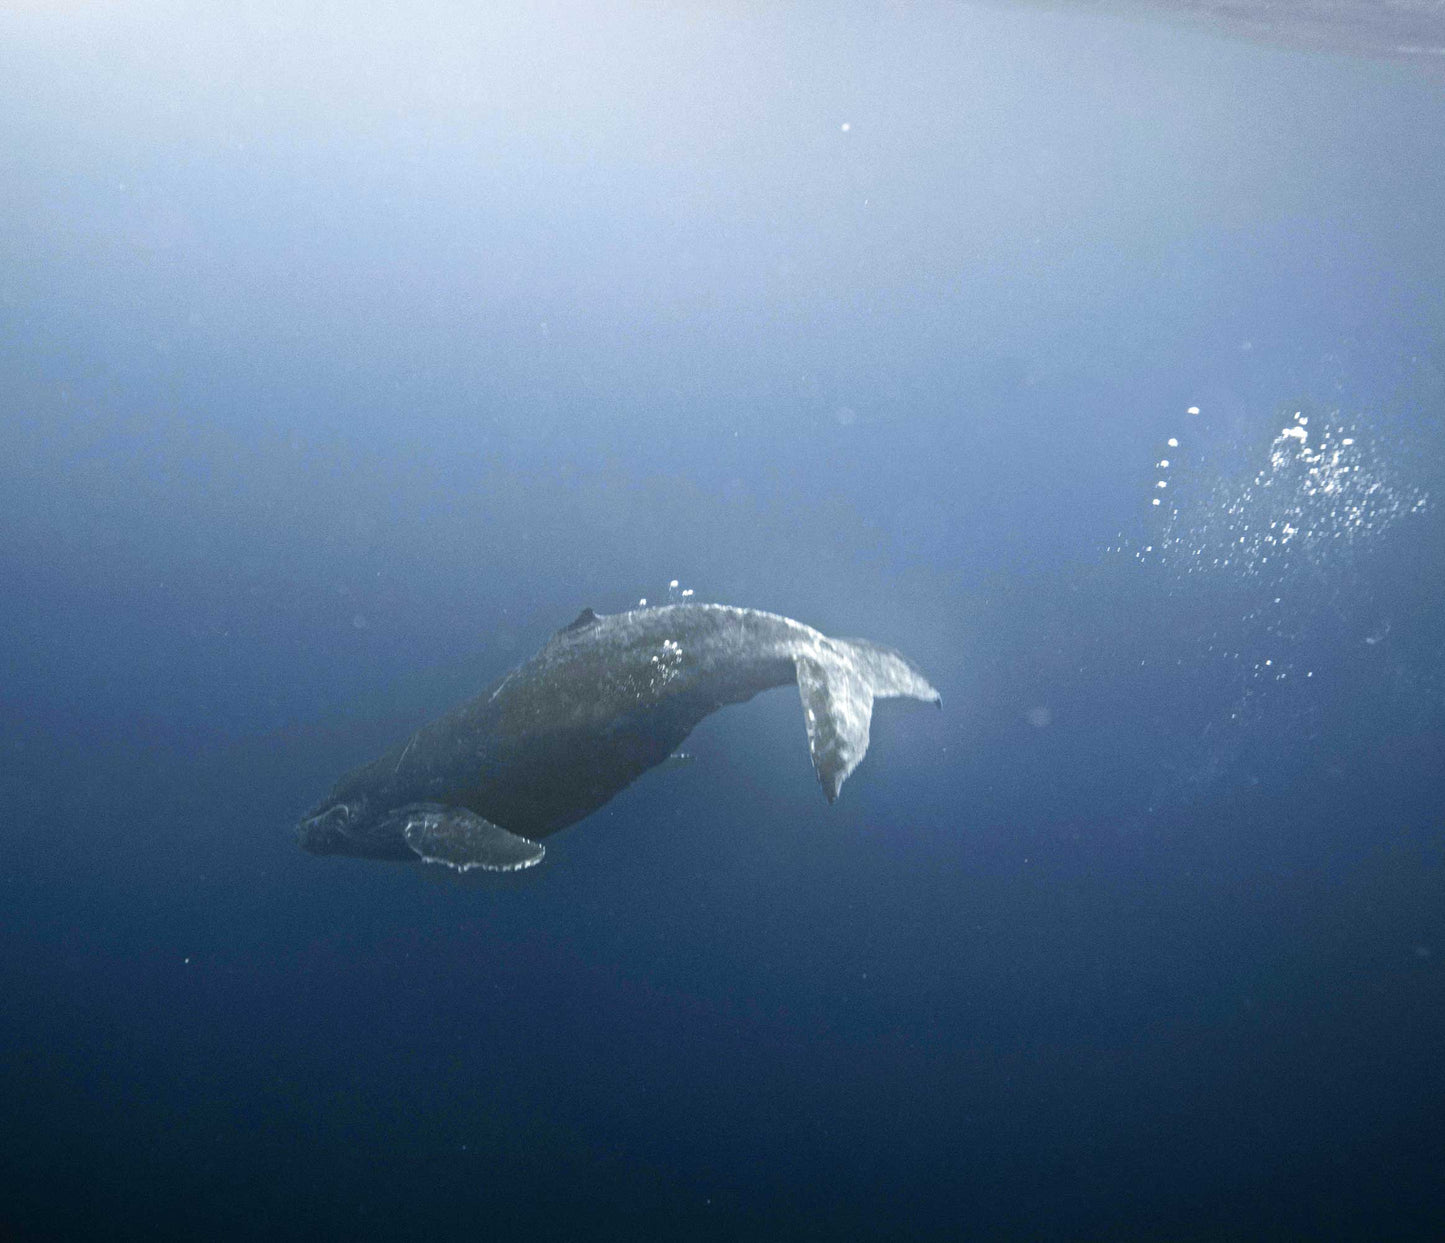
(1095,360)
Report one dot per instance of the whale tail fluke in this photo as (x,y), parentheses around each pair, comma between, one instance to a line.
(838,684)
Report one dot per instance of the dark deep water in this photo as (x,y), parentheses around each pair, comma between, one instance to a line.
(343,359)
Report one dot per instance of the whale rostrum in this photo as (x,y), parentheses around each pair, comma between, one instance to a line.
(606,699)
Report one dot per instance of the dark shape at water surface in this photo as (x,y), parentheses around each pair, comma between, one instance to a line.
(606,699)
(1411,30)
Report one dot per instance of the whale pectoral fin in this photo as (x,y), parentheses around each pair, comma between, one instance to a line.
(837,709)
(462,840)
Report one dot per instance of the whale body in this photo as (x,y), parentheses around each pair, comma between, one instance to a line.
(606,699)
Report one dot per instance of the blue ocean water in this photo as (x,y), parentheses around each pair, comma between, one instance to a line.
(1097,364)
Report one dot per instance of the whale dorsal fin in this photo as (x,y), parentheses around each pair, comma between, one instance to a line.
(584,619)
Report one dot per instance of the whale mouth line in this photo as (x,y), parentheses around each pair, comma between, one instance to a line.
(325,833)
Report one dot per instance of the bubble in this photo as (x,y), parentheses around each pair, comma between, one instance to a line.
(1271,559)
(1315,498)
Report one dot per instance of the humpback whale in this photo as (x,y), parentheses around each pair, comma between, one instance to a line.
(607,698)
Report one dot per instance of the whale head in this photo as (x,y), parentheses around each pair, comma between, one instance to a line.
(324,831)
(349,827)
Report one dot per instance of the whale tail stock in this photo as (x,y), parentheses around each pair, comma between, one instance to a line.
(838,684)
